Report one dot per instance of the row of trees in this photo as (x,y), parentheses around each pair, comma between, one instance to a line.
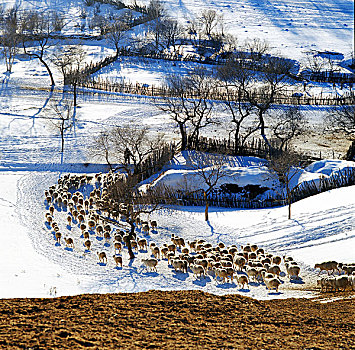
(249,96)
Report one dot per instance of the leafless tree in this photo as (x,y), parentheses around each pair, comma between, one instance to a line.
(287,125)
(210,168)
(235,80)
(190,103)
(155,9)
(36,31)
(133,145)
(285,166)
(125,198)
(70,61)
(10,37)
(102,146)
(341,120)
(273,77)
(209,21)
(116,31)
(60,118)
(256,48)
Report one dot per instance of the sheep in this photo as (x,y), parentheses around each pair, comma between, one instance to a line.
(202,262)
(156,252)
(274,269)
(242,280)
(142,244)
(192,245)
(352,281)
(252,273)
(118,247)
(325,283)
(198,270)
(107,236)
(276,260)
(150,264)
(134,245)
(118,260)
(180,242)
(270,281)
(179,265)
(240,262)
(69,242)
(254,247)
(221,273)
(51,210)
(58,236)
(172,248)
(145,229)
(102,257)
(154,225)
(348,269)
(327,266)
(341,282)
(99,230)
(81,218)
(292,271)
(91,224)
(87,244)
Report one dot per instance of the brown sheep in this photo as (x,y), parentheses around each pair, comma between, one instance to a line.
(87,244)
(102,257)
(118,260)
(69,242)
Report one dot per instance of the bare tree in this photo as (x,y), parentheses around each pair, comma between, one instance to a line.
(274,77)
(133,145)
(155,9)
(61,119)
(70,61)
(10,37)
(341,119)
(190,103)
(209,21)
(210,168)
(235,79)
(116,31)
(125,198)
(102,146)
(37,29)
(285,166)
(287,125)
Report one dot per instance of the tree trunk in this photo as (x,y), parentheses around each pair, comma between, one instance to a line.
(183,136)
(48,70)
(129,247)
(206,208)
(74,85)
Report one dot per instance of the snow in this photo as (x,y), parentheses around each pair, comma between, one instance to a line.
(322,227)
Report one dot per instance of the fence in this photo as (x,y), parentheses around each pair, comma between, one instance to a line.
(217,95)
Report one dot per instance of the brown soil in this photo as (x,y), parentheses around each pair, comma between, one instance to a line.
(176,320)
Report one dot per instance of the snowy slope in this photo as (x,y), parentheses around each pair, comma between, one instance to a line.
(292,27)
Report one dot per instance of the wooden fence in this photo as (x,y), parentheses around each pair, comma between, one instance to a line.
(287,98)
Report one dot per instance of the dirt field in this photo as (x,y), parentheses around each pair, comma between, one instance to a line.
(176,320)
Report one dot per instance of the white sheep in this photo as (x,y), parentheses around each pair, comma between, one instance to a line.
(150,264)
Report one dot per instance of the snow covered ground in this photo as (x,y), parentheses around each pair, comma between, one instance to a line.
(322,227)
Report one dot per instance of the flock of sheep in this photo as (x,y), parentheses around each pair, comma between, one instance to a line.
(245,264)
(345,277)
